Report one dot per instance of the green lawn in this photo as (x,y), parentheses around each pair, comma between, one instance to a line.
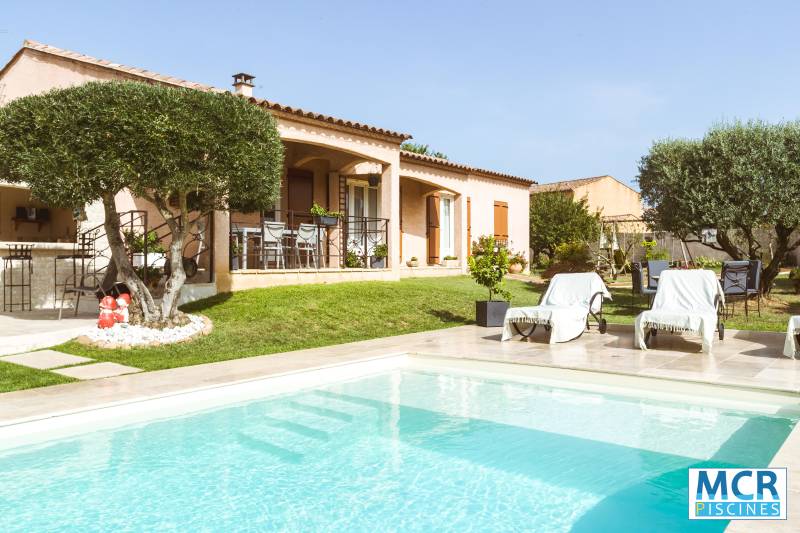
(280,319)
(15,377)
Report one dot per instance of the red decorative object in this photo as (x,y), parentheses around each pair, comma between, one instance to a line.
(106,318)
(121,314)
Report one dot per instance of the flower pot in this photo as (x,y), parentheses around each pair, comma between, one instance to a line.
(414,263)
(377,262)
(490,314)
(450,263)
(515,268)
(326,220)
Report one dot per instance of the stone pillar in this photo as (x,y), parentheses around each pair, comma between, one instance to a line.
(390,208)
(222,264)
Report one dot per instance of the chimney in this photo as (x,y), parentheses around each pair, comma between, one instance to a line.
(243,84)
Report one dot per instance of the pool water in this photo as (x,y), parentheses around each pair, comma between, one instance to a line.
(402,450)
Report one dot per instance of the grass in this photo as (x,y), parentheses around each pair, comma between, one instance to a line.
(15,377)
(281,319)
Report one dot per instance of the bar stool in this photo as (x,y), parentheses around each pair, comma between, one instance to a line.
(82,253)
(22,255)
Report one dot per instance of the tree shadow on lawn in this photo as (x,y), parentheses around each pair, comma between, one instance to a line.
(450,318)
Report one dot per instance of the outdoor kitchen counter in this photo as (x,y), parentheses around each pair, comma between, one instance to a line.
(39,247)
(44,267)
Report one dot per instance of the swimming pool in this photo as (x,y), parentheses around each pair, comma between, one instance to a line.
(405,449)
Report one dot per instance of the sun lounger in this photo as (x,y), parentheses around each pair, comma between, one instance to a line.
(791,348)
(564,308)
(687,301)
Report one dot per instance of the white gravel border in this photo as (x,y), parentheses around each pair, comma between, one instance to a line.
(129,336)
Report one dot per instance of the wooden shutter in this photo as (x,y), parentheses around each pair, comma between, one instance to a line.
(469,226)
(432,215)
(501,221)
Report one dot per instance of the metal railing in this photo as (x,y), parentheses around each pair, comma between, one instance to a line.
(280,240)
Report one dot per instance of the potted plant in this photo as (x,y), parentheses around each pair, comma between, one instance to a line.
(379,254)
(450,261)
(413,262)
(517,263)
(488,268)
(236,252)
(323,217)
(138,242)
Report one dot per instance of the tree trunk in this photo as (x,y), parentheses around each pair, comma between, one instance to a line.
(139,292)
(179,227)
(172,289)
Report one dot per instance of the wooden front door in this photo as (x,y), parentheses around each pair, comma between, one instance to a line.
(300,192)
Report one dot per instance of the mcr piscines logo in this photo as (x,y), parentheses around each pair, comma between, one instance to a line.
(737,493)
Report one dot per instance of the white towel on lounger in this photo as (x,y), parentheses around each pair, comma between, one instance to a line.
(685,303)
(790,346)
(564,307)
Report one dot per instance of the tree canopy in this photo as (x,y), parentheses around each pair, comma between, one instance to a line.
(192,149)
(422,149)
(742,178)
(557,219)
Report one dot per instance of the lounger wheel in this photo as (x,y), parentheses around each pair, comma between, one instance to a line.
(721,328)
(603,326)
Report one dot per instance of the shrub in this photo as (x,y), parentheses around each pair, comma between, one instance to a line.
(653,252)
(380,251)
(706,262)
(489,266)
(570,257)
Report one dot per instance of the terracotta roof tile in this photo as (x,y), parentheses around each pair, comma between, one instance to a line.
(567,185)
(171,80)
(404,154)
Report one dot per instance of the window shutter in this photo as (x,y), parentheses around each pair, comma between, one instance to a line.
(501,221)
(432,204)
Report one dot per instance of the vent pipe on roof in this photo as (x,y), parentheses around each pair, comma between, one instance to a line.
(243,84)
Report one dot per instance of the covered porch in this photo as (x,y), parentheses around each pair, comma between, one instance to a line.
(332,215)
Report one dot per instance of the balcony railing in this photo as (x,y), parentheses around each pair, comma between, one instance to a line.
(280,240)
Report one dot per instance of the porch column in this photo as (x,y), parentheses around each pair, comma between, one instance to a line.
(460,219)
(390,208)
(222,262)
(332,248)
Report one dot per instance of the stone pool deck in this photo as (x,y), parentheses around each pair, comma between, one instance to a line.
(745,359)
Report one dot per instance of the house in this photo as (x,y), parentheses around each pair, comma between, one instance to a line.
(604,194)
(395,202)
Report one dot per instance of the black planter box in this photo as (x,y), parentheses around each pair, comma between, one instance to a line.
(490,314)
(377,262)
(327,221)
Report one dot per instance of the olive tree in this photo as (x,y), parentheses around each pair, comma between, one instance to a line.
(742,179)
(185,151)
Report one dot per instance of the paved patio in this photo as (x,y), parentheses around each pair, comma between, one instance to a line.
(25,331)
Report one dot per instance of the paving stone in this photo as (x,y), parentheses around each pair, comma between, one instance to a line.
(97,370)
(45,359)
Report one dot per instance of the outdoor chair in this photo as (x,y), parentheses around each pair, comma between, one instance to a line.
(754,283)
(564,309)
(272,243)
(654,269)
(687,301)
(639,286)
(306,241)
(734,279)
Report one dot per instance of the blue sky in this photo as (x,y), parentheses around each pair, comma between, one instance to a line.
(548,90)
